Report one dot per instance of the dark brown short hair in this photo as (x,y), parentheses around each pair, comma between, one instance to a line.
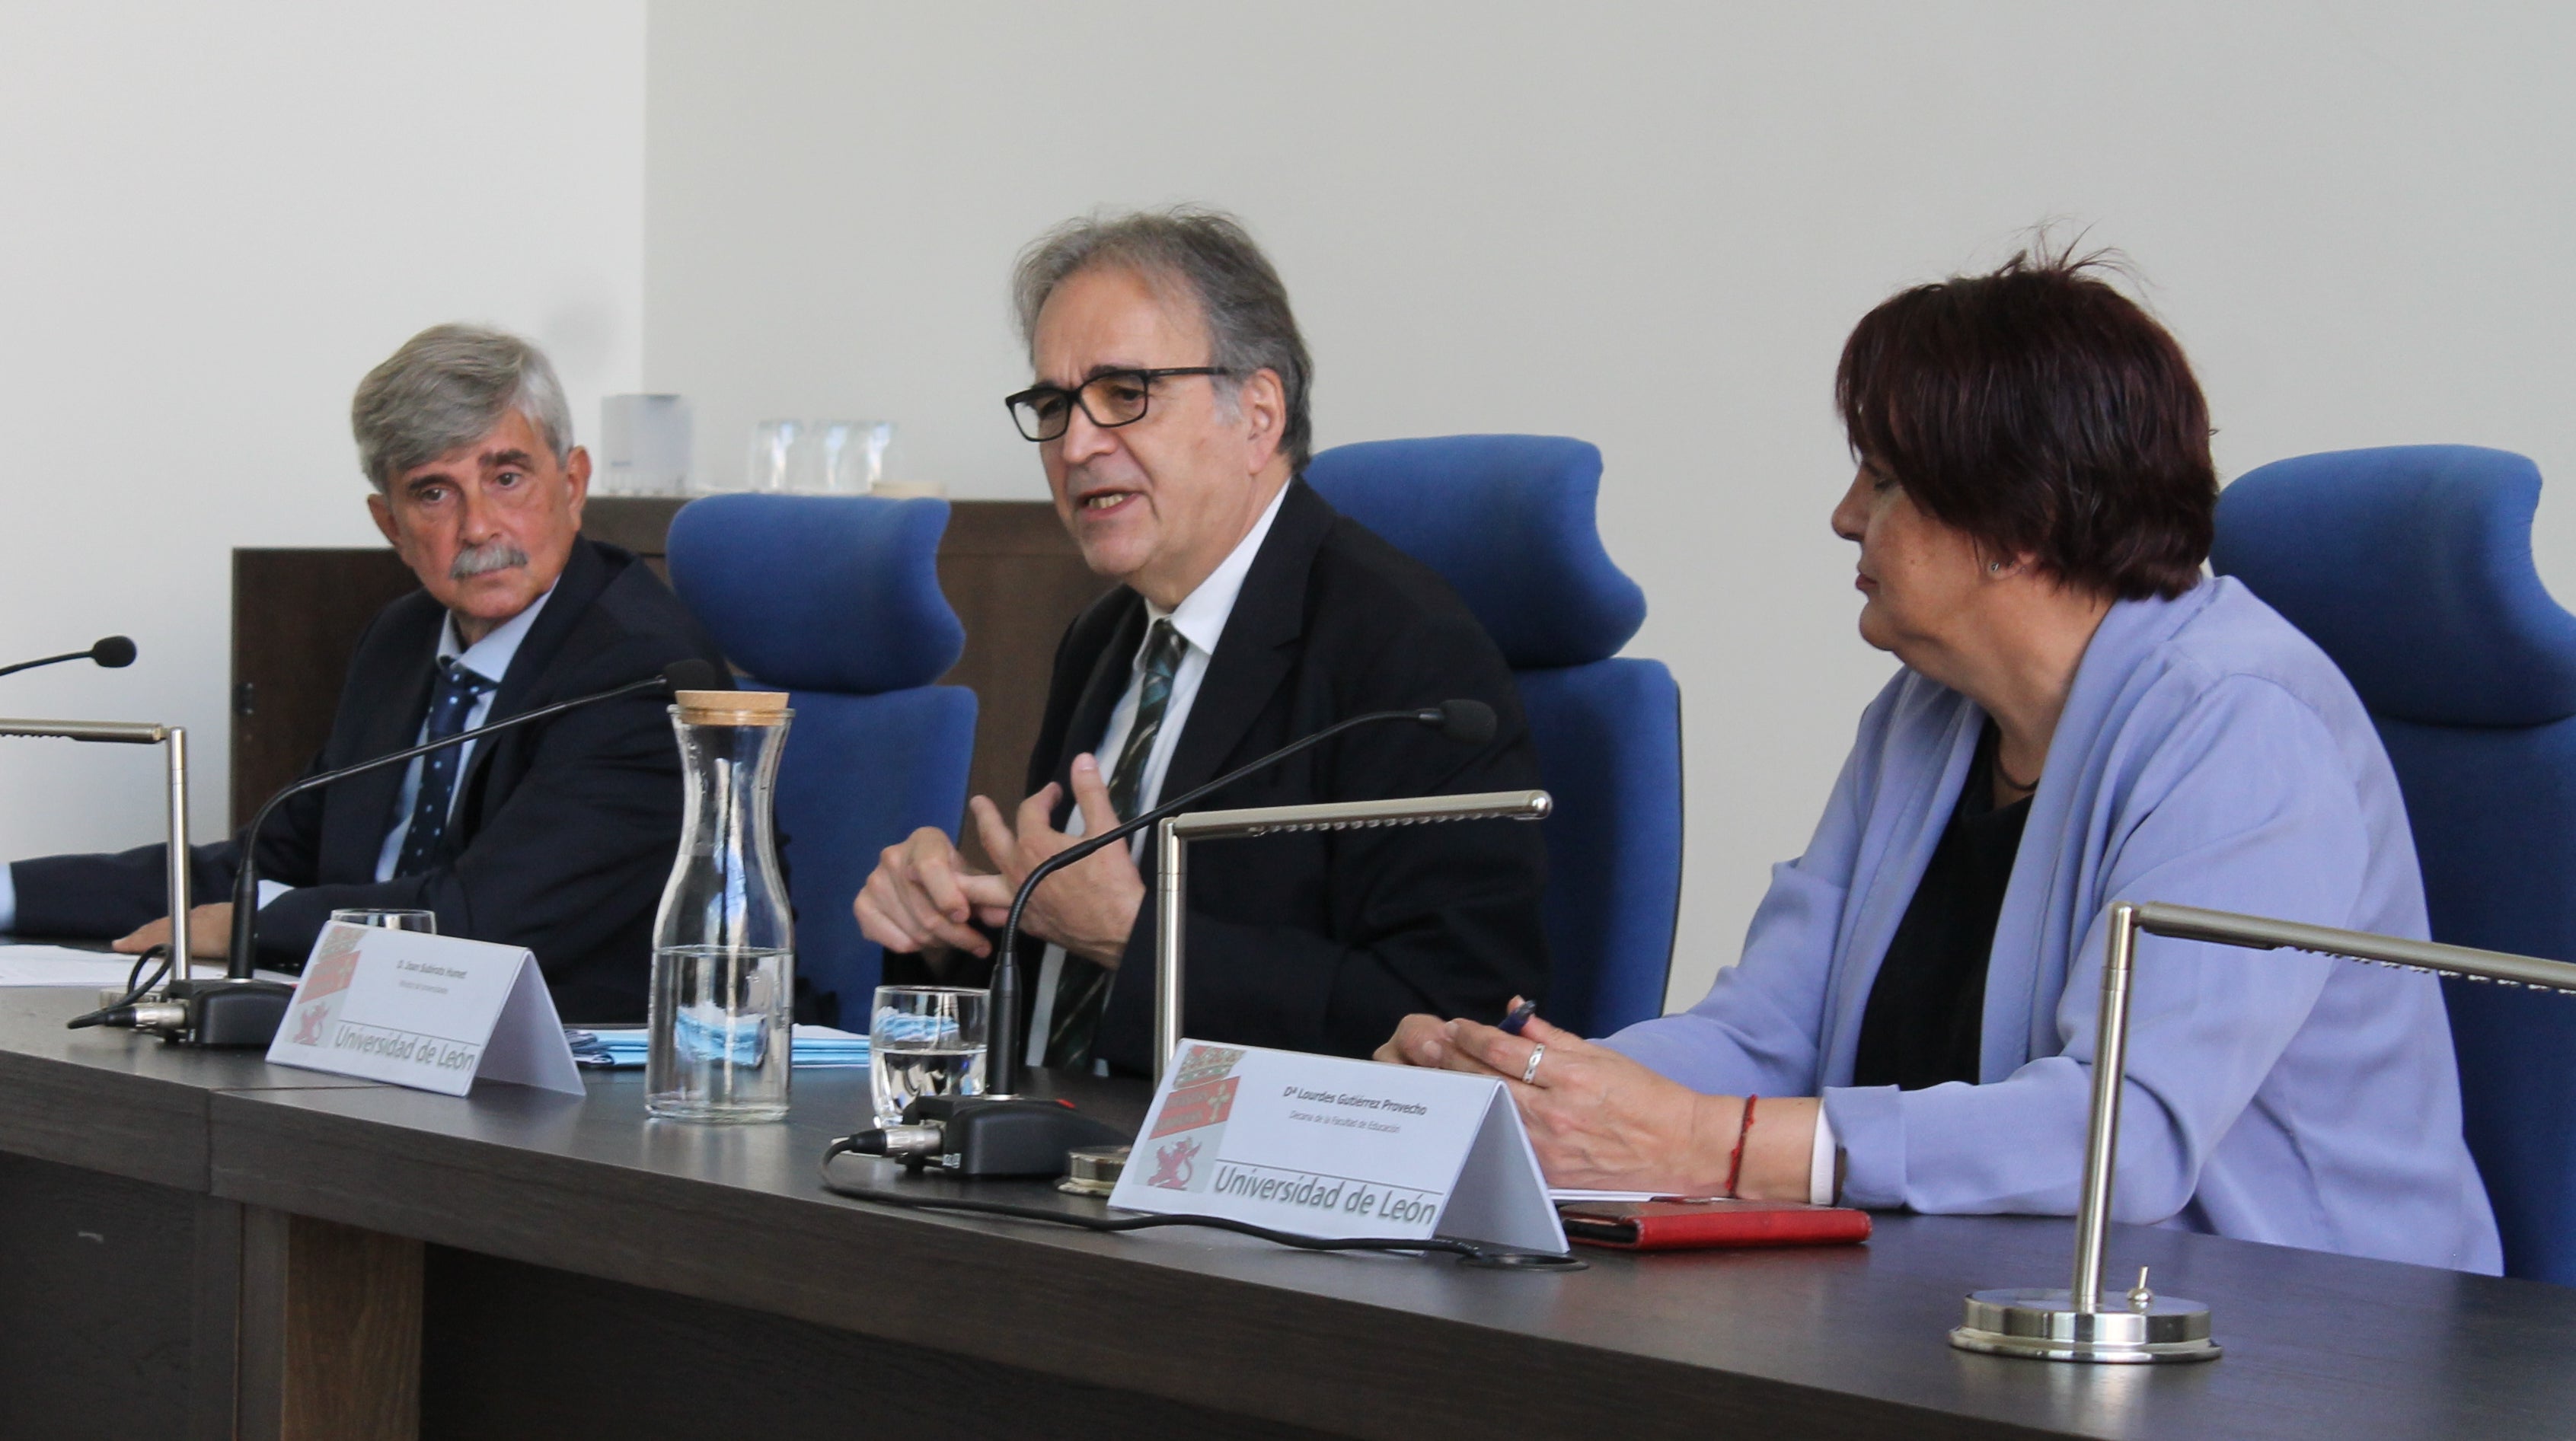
(2045,414)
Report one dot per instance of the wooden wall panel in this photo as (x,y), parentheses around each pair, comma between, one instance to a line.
(1007,567)
(297,616)
(1017,582)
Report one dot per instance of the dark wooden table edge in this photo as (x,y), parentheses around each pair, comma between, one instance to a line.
(1229,1342)
(129,1124)
(158,1131)
(1181,1335)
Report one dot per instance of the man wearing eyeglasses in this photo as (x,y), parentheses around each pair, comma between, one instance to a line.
(1170,413)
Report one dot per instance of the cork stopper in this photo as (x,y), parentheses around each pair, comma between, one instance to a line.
(732,707)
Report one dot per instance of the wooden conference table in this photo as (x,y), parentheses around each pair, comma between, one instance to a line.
(198,1244)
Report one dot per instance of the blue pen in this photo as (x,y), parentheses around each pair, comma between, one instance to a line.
(1517,1017)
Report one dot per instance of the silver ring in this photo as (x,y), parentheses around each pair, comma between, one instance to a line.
(1529,1073)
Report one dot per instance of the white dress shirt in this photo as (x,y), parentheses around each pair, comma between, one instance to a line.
(1820,1163)
(1200,618)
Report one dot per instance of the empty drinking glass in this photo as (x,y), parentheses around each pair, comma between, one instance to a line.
(774,447)
(851,454)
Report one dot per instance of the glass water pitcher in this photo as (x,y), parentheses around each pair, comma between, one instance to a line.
(724,948)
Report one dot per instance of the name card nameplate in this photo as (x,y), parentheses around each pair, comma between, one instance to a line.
(1327,1147)
(433,1012)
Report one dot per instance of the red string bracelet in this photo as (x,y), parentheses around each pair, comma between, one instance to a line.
(1743,1128)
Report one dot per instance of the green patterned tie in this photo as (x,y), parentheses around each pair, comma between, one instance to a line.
(1081,988)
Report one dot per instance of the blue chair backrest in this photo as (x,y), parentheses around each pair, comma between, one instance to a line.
(836,600)
(2411,566)
(1508,521)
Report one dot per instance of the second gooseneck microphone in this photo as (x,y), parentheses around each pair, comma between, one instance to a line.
(1468,722)
(239,1009)
(114,652)
(678,676)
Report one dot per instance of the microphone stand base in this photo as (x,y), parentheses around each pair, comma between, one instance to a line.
(993,1136)
(2046,1326)
(230,1014)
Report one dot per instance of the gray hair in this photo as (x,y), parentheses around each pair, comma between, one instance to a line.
(1239,296)
(448,386)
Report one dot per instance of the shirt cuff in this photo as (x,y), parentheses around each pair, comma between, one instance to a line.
(1820,1161)
(1869,1122)
(268,891)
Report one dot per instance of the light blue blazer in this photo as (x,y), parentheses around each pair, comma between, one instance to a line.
(2209,755)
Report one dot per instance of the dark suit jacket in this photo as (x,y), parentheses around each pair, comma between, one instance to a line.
(1322,941)
(565,828)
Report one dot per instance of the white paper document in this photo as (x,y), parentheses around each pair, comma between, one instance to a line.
(1324,1146)
(62,966)
(95,970)
(434,1012)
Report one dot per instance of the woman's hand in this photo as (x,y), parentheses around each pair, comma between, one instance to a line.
(1418,1041)
(1597,1119)
(1600,1121)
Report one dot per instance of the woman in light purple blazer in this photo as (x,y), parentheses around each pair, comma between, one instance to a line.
(2082,717)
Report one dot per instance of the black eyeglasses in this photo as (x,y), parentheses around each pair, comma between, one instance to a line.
(1111,399)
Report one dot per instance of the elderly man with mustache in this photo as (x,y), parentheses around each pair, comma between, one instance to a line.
(556,836)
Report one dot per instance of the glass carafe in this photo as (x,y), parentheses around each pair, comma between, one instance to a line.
(724,948)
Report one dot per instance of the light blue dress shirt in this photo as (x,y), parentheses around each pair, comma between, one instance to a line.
(2209,755)
(489,658)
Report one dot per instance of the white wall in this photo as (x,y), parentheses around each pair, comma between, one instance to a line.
(218,217)
(1649,226)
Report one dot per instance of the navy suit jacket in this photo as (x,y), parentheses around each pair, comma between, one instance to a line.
(564,828)
(1321,941)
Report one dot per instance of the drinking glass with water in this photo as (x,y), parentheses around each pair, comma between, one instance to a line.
(925,1041)
(382,918)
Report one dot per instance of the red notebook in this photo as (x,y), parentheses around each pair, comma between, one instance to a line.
(1683,1225)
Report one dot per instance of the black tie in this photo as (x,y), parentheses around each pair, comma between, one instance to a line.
(449,703)
(1081,988)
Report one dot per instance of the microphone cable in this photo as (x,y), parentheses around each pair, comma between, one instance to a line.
(135,987)
(1469,1253)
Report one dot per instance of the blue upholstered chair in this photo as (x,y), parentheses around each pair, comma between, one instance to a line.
(2411,566)
(1508,521)
(835,600)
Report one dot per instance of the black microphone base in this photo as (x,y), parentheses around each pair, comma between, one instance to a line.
(223,1012)
(984,1136)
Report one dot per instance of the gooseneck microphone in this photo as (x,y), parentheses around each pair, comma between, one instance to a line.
(114,652)
(1468,722)
(239,1010)
(678,676)
(998,1133)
